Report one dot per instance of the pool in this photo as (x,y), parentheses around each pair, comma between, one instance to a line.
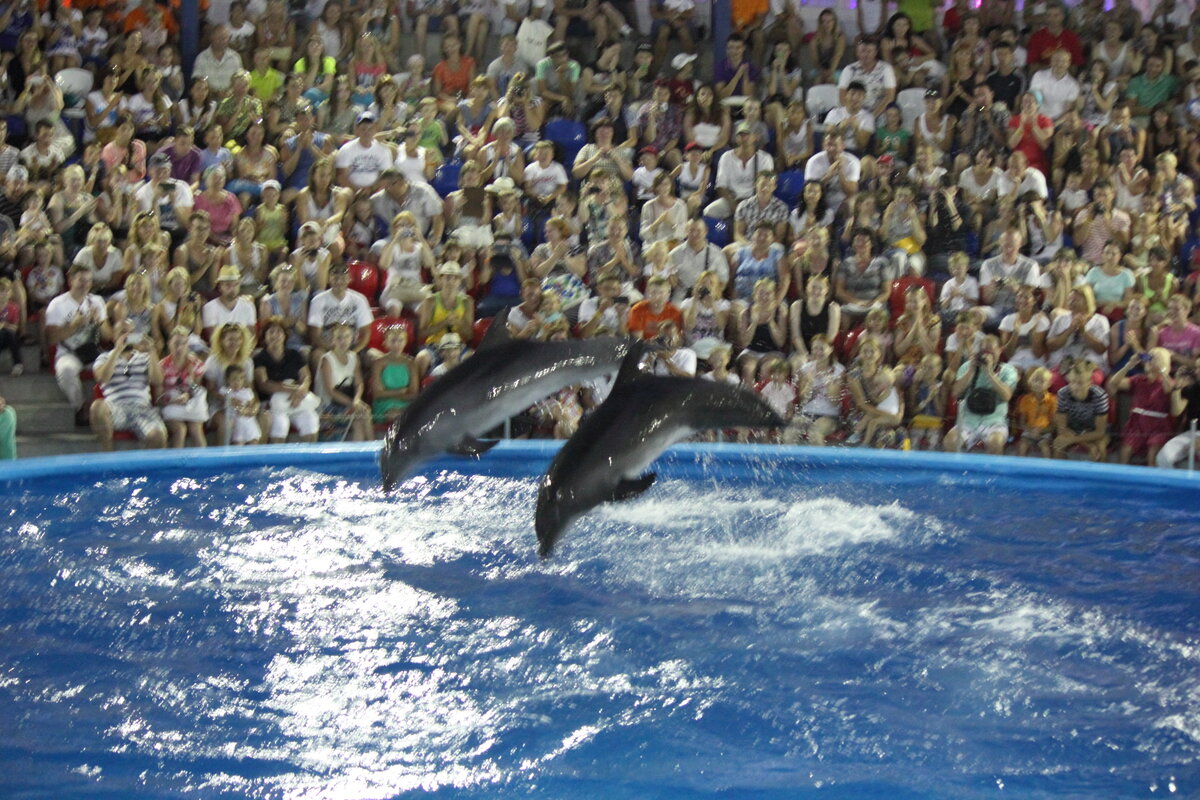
(763,623)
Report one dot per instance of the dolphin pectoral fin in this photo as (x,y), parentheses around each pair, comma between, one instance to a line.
(631,487)
(470,446)
(497,332)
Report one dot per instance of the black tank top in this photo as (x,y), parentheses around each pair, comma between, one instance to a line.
(812,324)
(762,341)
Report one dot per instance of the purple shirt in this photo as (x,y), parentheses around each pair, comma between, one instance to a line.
(183,167)
(725,70)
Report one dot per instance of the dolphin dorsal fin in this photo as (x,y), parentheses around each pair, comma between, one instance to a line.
(631,365)
(497,333)
(630,488)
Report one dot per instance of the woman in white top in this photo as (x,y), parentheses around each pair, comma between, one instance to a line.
(935,127)
(1097,95)
(249,256)
(310,260)
(664,218)
(403,258)
(706,122)
(1114,49)
(340,385)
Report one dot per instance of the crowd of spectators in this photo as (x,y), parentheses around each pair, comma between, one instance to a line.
(958,228)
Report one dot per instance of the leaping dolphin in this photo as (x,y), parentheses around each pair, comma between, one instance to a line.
(502,378)
(641,418)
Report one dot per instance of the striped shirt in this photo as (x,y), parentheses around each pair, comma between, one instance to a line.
(130,381)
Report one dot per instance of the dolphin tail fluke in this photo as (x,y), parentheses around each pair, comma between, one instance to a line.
(632,487)
(472,447)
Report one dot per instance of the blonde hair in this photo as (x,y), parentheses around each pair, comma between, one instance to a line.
(244,350)
(96,231)
(178,272)
(1044,374)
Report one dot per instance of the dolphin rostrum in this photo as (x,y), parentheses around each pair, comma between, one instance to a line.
(504,377)
(605,458)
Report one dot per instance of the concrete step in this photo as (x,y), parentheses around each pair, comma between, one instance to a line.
(56,417)
(32,388)
(78,441)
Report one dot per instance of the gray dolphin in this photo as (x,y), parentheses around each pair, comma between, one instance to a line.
(641,418)
(502,378)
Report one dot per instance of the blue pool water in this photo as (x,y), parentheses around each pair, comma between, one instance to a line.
(761,624)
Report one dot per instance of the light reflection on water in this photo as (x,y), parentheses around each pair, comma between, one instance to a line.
(306,637)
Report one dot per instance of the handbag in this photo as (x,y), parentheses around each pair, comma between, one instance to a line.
(982,400)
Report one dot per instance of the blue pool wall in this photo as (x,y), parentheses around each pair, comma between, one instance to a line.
(776,464)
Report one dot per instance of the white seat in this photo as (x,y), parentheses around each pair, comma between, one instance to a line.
(75,84)
(821,99)
(912,105)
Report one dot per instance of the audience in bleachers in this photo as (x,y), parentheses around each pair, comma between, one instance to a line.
(964,228)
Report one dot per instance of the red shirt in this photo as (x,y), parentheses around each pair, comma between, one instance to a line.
(455,83)
(1029,144)
(1043,44)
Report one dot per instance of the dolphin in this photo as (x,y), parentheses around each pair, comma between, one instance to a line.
(604,460)
(502,378)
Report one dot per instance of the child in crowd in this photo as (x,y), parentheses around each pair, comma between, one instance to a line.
(33,218)
(882,429)
(10,325)
(643,177)
(272,220)
(45,281)
(780,394)
(1073,196)
(821,390)
(926,397)
(961,292)
(1035,413)
(242,407)
(964,343)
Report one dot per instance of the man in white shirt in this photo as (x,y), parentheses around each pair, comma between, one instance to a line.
(1059,90)
(172,199)
(856,122)
(508,63)
(605,312)
(398,193)
(1000,277)
(218,62)
(1020,178)
(73,321)
(836,170)
(360,161)
(694,255)
(675,359)
(229,305)
(338,304)
(737,173)
(877,77)
(544,179)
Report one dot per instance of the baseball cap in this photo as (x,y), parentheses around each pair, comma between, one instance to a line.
(682,60)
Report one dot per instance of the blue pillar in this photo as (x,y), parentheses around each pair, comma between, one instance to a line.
(189,33)
(722,23)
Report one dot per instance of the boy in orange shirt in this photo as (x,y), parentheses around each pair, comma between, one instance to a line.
(645,316)
(1035,413)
